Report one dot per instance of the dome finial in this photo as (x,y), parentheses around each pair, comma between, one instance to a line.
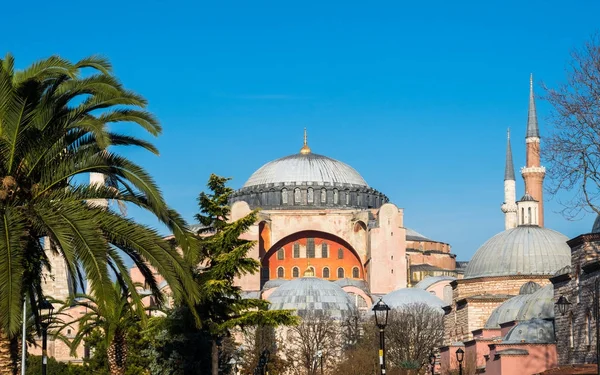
(310,272)
(305,149)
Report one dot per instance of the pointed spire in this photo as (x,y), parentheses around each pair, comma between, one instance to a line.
(532,124)
(305,149)
(509,169)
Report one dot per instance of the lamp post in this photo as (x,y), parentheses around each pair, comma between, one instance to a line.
(46,310)
(563,306)
(432,362)
(460,356)
(381,316)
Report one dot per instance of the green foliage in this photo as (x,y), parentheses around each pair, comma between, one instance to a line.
(225,256)
(34,367)
(55,129)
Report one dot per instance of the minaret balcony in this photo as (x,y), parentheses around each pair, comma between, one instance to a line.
(533,170)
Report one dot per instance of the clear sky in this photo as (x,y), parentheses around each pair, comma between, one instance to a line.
(416,96)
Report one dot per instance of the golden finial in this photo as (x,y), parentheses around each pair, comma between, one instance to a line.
(305,149)
(310,272)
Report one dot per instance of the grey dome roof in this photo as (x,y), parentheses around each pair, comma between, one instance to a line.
(300,168)
(524,250)
(524,307)
(360,284)
(401,298)
(534,331)
(311,295)
(430,280)
(529,287)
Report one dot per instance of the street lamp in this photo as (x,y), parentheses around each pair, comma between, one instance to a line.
(46,310)
(381,316)
(432,362)
(563,305)
(460,356)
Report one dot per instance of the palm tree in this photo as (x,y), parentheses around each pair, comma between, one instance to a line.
(112,322)
(56,126)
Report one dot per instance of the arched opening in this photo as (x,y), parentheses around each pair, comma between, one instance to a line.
(295,272)
(336,196)
(326,273)
(297,195)
(280,254)
(323,196)
(310,195)
(284,196)
(280,273)
(324,250)
(340,273)
(355,273)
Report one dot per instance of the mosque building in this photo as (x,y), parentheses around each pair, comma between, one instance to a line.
(320,214)
(502,311)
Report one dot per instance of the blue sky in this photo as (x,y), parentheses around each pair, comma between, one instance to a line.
(417,96)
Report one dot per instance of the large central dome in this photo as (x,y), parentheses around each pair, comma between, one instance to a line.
(302,168)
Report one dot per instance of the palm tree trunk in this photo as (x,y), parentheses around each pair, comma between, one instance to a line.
(117,354)
(10,362)
(215,358)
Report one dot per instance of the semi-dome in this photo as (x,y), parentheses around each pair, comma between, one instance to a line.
(313,296)
(524,250)
(307,167)
(402,298)
(534,331)
(529,304)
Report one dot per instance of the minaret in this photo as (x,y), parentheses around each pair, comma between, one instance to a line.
(97,179)
(510,195)
(56,282)
(533,174)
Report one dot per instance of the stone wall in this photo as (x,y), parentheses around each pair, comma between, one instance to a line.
(575,330)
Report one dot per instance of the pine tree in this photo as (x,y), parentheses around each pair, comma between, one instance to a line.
(224,256)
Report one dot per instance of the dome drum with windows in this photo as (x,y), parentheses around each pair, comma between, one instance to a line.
(308,180)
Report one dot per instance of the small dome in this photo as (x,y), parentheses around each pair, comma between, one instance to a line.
(310,295)
(528,198)
(524,250)
(524,307)
(309,167)
(534,331)
(430,280)
(529,287)
(404,297)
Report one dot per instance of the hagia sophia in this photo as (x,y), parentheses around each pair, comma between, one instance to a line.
(329,242)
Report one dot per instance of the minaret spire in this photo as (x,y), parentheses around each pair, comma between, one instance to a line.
(305,149)
(510,196)
(533,173)
(532,123)
(509,169)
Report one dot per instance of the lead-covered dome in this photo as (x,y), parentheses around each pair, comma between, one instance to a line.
(303,168)
(311,295)
(404,297)
(307,181)
(524,250)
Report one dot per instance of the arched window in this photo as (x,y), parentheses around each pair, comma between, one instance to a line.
(323,196)
(347,197)
(284,196)
(355,273)
(529,214)
(310,247)
(359,199)
(310,195)
(326,273)
(340,253)
(296,250)
(280,272)
(280,254)
(340,274)
(588,326)
(522,215)
(295,272)
(336,196)
(297,195)
(571,329)
(324,250)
